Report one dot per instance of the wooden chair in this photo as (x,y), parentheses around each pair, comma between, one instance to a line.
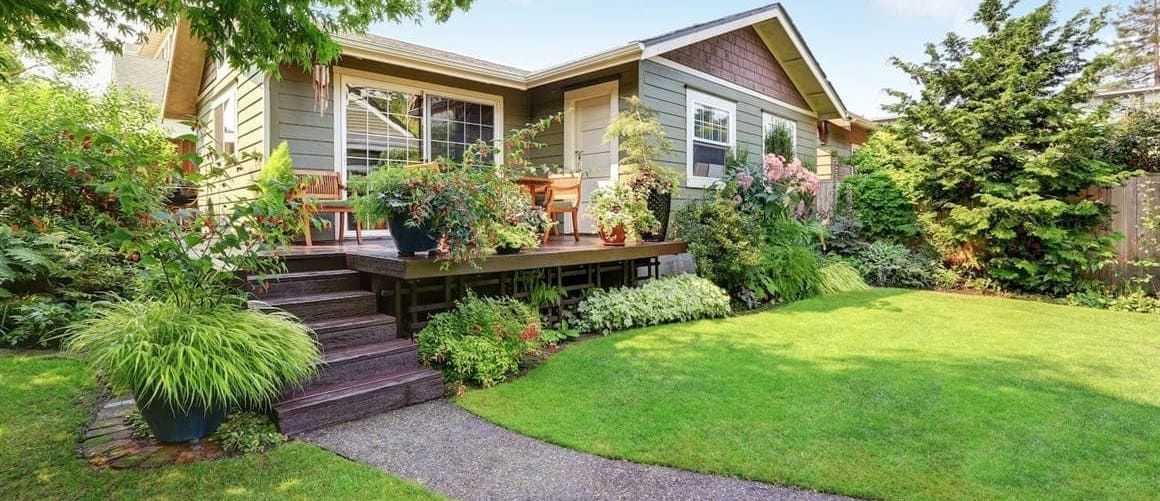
(563,197)
(323,193)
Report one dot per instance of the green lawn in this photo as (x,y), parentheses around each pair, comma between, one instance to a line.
(884,394)
(45,401)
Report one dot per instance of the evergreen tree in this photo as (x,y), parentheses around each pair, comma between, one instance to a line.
(1007,146)
(1137,47)
(248,33)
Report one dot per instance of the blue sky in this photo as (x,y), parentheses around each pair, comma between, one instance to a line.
(851,38)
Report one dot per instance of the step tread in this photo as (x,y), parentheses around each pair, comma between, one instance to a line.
(303,275)
(317,298)
(328,325)
(328,393)
(369,350)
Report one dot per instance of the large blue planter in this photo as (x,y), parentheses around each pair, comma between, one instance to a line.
(176,425)
(409,240)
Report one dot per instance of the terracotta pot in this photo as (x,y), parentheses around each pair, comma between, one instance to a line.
(614,239)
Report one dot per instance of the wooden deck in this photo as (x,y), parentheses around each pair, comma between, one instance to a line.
(411,289)
(379,257)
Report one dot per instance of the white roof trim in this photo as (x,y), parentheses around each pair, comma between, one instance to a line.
(612,57)
(364,50)
(800,46)
(708,32)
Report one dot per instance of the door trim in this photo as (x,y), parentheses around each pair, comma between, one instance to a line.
(612,90)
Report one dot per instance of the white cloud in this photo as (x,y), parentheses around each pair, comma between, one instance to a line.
(951,10)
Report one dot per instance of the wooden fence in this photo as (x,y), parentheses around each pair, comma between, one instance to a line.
(1130,203)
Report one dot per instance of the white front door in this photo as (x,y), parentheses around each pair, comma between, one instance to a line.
(590,109)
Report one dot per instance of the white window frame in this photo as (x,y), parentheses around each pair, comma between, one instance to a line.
(692,98)
(768,120)
(346,77)
(228,97)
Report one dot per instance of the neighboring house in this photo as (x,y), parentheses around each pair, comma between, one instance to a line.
(1138,96)
(840,138)
(715,86)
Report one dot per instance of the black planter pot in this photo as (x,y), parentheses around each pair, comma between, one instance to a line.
(410,240)
(504,250)
(172,424)
(660,205)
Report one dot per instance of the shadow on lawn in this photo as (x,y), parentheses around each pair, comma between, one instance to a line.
(899,421)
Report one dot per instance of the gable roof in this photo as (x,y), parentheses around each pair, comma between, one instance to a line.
(771,22)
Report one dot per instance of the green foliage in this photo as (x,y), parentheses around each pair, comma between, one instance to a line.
(37,321)
(260,34)
(619,205)
(881,208)
(725,242)
(482,340)
(843,235)
(275,181)
(559,334)
(1134,138)
(248,433)
(208,357)
(137,425)
(790,267)
(71,158)
(679,298)
(642,141)
(1007,144)
(838,275)
(1133,301)
(891,265)
(779,141)
(516,146)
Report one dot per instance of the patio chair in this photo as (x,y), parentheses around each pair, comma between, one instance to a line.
(323,192)
(563,197)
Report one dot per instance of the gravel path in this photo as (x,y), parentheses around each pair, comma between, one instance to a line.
(451,451)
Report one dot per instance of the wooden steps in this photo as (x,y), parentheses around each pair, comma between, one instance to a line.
(368,369)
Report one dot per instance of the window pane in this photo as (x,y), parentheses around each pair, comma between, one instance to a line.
(710,124)
(708,160)
(382,127)
(459,124)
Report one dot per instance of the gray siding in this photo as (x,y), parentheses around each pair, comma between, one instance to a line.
(251,133)
(663,90)
(549,99)
(311,137)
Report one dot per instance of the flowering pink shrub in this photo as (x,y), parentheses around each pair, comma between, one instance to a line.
(795,176)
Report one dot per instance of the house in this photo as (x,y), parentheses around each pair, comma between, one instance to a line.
(715,86)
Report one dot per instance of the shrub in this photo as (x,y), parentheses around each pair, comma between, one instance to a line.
(210,358)
(37,321)
(62,147)
(891,265)
(779,141)
(1135,301)
(838,275)
(884,212)
(725,242)
(674,299)
(482,340)
(248,433)
(844,236)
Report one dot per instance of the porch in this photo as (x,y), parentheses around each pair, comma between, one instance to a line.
(411,289)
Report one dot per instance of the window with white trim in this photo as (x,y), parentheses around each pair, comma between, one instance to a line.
(712,132)
(769,122)
(225,122)
(388,125)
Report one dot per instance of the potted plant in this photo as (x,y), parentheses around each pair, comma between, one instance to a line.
(189,348)
(642,141)
(187,365)
(621,214)
(398,195)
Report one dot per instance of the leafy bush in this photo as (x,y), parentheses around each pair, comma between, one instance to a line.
(621,206)
(248,433)
(838,275)
(844,235)
(891,265)
(1134,139)
(673,299)
(1135,301)
(884,212)
(37,321)
(482,340)
(725,242)
(779,141)
(790,267)
(212,358)
(62,148)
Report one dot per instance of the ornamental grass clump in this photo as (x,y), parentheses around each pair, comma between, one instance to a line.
(201,358)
